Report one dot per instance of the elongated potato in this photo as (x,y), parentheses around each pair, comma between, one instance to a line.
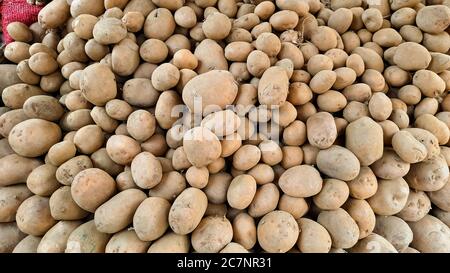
(321,130)
(33,216)
(126,241)
(55,239)
(329,159)
(313,238)
(63,207)
(343,229)
(301,181)
(171,243)
(150,220)
(117,213)
(10,199)
(28,244)
(430,235)
(14,169)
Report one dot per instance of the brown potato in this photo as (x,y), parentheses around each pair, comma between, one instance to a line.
(87,239)
(187,211)
(11,197)
(364,137)
(313,237)
(33,216)
(270,228)
(348,163)
(343,229)
(63,207)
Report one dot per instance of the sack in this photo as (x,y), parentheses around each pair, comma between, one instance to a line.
(17,11)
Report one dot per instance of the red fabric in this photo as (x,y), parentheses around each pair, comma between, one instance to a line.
(17,11)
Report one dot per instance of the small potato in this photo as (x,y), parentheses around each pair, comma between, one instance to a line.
(372,19)
(390,198)
(395,230)
(101,160)
(33,216)
(323,81)
(89,195)
(153,51)
(301,181)
(14,96)
(96,92)
(70,168)
(25,73)
(246,157)
(244,230)
(212,234)
(126,241)
(270,228)
(42,180)
(44,135)
(430,235)
(19,32)
(313,238)
(363,215)
(440,197)
(429,83)
(241,191)
(343,229)
(134,21)
(265,200)
(331,101)
(296,206)
(42,63)
(321,130)
(364,185)
(19,51)
(417,206)
(146,170)
(89,139)
(141,125)
(87,239)
(426,138)
(28,244)
(83,25)
(364,137)
(333,194)
(329,159)
(55,240)
(408,148)
(140,92)
(117,213)
(10,199)
(63,207)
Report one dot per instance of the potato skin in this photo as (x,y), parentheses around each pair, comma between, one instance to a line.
(146,170)
(301,181)
(364,137)
(10,199)
(390,198)
(87,239)
(270,230)
(170,243)
(429,175)
(363,215)
(321,130)
(95,91)
(67,171)
(10,236)
(244,230)
(241,191)
(202,147)
(328,159)
(373,243)
(28,244)
(187,211)
(212,234)
(63,207)
(273,87)
(42,180)
(395,230)
(33,216)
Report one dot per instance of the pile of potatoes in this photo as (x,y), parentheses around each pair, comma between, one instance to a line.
(227,126)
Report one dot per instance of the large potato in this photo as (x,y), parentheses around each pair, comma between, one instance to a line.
(55,240)
(10,199)
(313,237)
(343,229)
(364,137)
(14,169)
(212,234)
(33,216)
(87,239)
(126,241)
(430,235)
(150,220)
(338,162)
(98,92)
(301,181)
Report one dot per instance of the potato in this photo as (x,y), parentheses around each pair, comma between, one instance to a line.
(241,191)
(202,147)
(150,220)
(323,81)
(10,76)
(408,148)
(270,228)
(364,138)
(328,159)
(440,197)
(101,160)
(117,213)
(246,157)
(42,180)
(210,57)
(33,216)
(15,95)
(390,166)
(159,24)
(363,215)
(430,235)
(187,211)
(342,228)
(217,26)
(212,234)
(14,169)
(273,87)
(170,243)
(87,239)
(429,175)
(265,200)
(417,206)
(10,198)
(371,59)
(395,230)
(28,244)
(171,185)
(45,134)
(122,149)
(321,130)
(55,240)
(435,126)
(89,195)
(333,194)
(313,237)
(126,241)
(292,181)
(364,185)
(429,83)
(199,86)
(63,207)
(70,168)
(373,243)
(109,30)
(372,19)
(324,38)
(10,236)
(98,93)
(433,19)
(129,50)
(390,198)
(19,32)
